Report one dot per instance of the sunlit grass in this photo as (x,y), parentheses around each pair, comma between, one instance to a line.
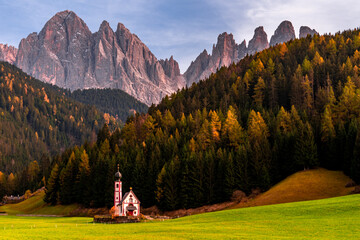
(305,185)
(36,205)
(334,218)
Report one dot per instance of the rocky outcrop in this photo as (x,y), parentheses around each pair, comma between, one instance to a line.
(284,33)
(225,52)
(196,68)
(259,41)
(304,31)
(171,67)
(67,54)
(8,53)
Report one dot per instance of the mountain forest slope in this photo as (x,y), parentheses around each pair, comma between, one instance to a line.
(37,120)
(290,107)
(113,101)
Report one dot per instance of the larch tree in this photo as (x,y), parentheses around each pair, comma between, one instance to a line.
(259,92)
(258,134)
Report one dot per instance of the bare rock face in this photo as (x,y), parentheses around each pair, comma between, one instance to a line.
(259,42)
(8,53)
(67,54)
(284,33)
(171,67)
(242,50)
(59,54)
(196,68)
(225,52)
(304,31)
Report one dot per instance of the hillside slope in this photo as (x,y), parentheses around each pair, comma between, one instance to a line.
(113,101)
(305,185)
(36,205)
(37,120)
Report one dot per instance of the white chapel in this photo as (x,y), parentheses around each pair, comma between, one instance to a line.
(127,205)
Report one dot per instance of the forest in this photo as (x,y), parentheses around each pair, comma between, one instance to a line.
(115,102)
(37,121)
(291,107)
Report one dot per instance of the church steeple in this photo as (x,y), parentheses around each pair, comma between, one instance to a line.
(117,191)
(118,174)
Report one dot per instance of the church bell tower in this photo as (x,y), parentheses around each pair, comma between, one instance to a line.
(117,192)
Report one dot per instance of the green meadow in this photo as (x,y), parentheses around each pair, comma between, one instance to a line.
(333,218)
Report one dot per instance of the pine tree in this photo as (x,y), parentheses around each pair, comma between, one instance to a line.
(260,149)
(259,92)
(215,125)
(355,163)
(305,153)
(83,179)
(232,129)
(53,186)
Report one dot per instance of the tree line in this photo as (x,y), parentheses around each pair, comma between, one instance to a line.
(38,121)
(291,107)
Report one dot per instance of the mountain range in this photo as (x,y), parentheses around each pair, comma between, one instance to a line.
(67,54)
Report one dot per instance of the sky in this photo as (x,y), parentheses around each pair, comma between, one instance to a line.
(182,29)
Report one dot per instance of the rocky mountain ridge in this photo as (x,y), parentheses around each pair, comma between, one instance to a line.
(226,52)
(8,53)
(67,54)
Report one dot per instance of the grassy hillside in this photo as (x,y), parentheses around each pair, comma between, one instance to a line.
(36,205)
(335,218)
(305,185)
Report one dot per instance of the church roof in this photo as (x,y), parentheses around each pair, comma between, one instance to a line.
(126,194)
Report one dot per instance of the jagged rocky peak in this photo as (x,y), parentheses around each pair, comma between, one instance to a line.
(305,30)
(242,50)
(285,32)
(171,67)
(197,67)
(259,42)
(65,24)
(8,53)
(67,54)
(105,28)
(225,50)
(225,42)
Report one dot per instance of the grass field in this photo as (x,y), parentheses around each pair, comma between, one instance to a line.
(333,218)
(36,205)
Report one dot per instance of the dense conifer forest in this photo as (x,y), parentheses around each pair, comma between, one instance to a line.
(115,102)
(37,121)
(291,107)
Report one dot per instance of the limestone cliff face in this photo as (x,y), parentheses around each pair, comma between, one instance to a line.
(67,54)
(225,52)
(284,33)
(8,53)
(304,31)
(259,41)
